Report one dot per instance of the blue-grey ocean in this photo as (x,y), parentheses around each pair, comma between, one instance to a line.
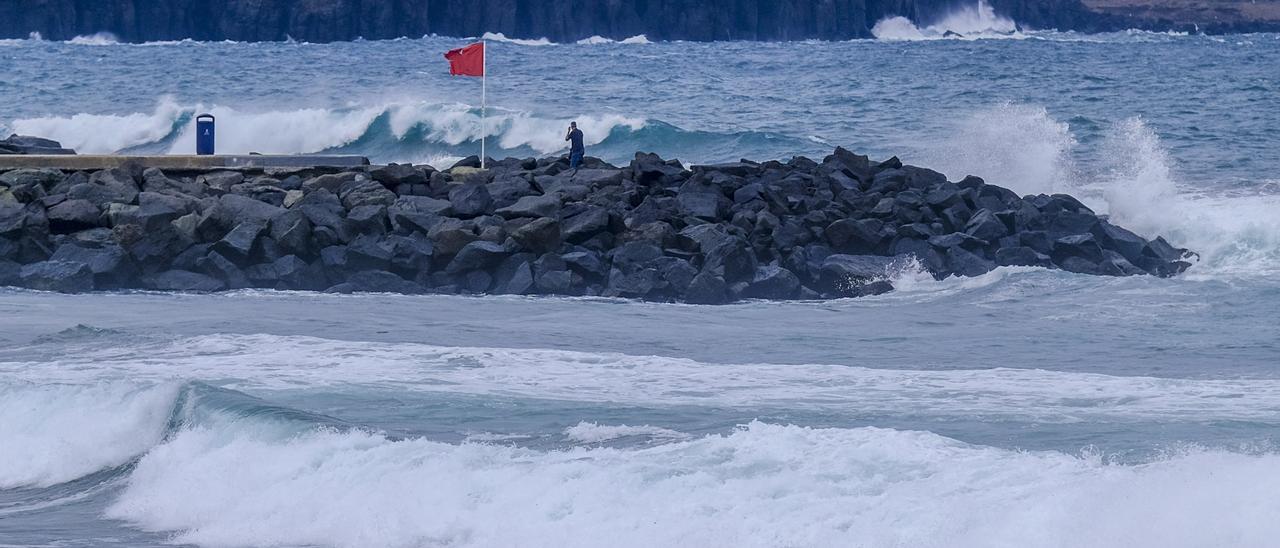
(1022,408)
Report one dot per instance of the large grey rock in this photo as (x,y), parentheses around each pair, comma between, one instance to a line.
(852,236)
(110,264)
(115,185)
(477,255)
(583,226)
(470,200)
(238,244)
(234,209)
(707,288)
(376,281)
(73,216)
(532,206)
(60,276)
(182,280)
(773,282)
(363,192)
(844,275)
(540,235)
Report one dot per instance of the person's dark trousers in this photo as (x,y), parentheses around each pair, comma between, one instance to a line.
(575,160)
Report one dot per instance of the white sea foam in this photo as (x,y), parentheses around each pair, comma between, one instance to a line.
(590,432)
(51,433)
(499,37)
(96,39)
(264,362)
(970,22)
(1017,146)
(598,40)
(762,485)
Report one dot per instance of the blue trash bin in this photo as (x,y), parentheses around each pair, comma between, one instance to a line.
(204,134)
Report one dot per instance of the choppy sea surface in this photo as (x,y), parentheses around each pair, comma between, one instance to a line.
(1025,407)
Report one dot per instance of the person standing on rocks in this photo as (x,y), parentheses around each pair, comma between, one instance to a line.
(576,150)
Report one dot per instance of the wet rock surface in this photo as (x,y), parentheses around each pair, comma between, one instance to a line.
(654,229)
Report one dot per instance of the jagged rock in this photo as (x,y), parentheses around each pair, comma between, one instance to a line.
(60,276)
(412,253)
(214,264)
(365,192)
(1083,246)
(1021,256)
(587,263)
(773,282)
(532,206)
(234,209)
(732,259)
(965,263)
(585,225)
(540,236)
(855,236)
(110,264)
(845,275)
(514,276)
(238,244)
(376,281)
(398,174)
(985,225)
(707,288)
(368,219)
(9,272)
(477,255)
(470,200)
(182,280)
(73,216)
(114,185)
(45,178)
(702,201)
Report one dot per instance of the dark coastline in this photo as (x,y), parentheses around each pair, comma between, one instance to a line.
(559,21)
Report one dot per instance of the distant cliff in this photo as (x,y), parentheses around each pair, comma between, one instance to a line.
(558,20)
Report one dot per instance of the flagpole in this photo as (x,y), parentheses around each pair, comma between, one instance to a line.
(484,97)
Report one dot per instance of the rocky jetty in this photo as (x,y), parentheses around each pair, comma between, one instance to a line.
(653,229)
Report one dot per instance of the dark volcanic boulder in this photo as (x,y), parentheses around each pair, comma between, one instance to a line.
(23,144)
(477,255)
(844,275)
(470,200)
(540,236)
(60,276)
(110,264)
(773,282)
(376,281)
(707,288)
(73,216)
(182,280)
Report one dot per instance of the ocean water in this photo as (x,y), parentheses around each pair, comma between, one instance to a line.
(1025,407)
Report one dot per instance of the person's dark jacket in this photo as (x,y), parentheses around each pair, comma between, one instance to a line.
(575,138)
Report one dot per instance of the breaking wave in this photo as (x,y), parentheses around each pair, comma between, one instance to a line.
(96,39)
(415,132)
(269,475)
(976,21)
(1131,176)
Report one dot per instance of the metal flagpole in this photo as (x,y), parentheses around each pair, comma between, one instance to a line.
(484,96)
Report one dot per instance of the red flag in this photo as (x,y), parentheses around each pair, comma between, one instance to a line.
(468,61)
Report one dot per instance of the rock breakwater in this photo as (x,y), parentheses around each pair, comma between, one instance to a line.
(653,229)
